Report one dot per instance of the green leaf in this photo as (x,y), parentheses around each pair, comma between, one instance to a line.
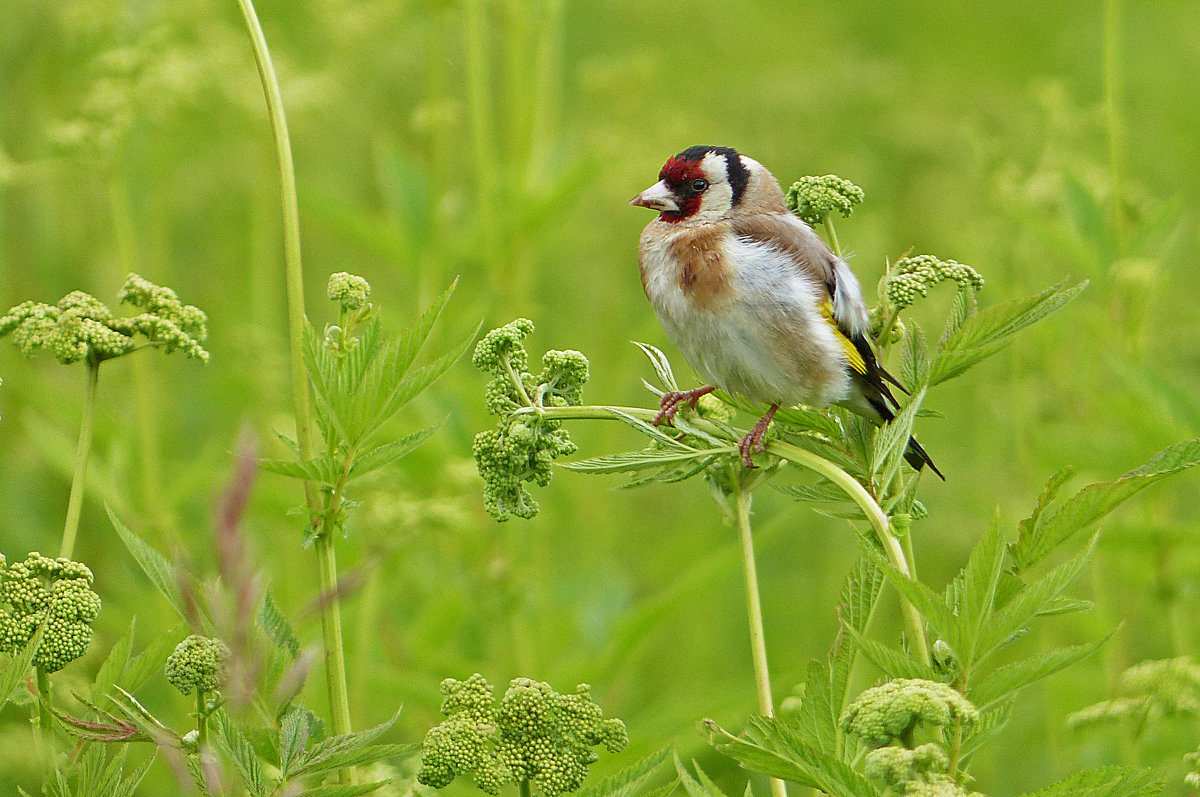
(634,461)
(770,747)
(387,453)
(971,595)
(276,626)
(893,663)
(158,569)
(322,469)
(662,366)
(1106,782)
(914,357)
(349,749)
(628,781)
(150,661)
(1097,500)
(1028,603)
(699,786)
(114,665)
(293,738)
(991,721)
(241,752)
(987,331)
(1004,681)
(891,441)
(961,308)
(14,674)
(142,719)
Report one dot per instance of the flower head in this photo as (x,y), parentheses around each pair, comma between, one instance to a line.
(348,290)
(57,592)
(198,662)
(814,198)
(912,277)
(892,710)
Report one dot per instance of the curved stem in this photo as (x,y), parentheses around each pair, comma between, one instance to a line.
(875,515)
(331,615)
(82,453)
(758,644)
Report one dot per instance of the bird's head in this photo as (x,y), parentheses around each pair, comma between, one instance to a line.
(703,184)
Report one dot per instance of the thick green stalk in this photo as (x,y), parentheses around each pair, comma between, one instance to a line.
(758,643)
(831,233)
(45,718)
(331,617)
(875,515)
(202,718)
(82,453)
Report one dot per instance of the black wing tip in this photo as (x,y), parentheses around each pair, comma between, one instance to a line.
(919,458)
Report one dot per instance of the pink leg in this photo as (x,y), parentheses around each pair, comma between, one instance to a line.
(671,402)
(754,440)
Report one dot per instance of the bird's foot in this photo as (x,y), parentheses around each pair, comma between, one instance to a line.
(670,402)
(753,441)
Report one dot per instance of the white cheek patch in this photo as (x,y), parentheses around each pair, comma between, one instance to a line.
(718,199)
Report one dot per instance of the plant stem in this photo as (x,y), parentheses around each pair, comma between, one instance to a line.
(331,616)
(45,718)
(202,718)
(525,789)
(75,502)
(758,644)
(955,749)
(797,456)
(827,222)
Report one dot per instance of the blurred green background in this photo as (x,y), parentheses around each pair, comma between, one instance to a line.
(500,141)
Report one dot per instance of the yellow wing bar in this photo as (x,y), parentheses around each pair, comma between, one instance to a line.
(853,355)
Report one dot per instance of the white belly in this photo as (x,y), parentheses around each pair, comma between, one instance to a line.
(768,342)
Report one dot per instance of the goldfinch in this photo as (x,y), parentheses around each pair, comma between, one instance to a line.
(753,297)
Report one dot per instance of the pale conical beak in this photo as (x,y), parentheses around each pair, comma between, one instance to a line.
(657,197)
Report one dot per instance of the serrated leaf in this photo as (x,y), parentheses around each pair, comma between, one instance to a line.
(971,595)
(891,441)
(991,721)
(987,331)
(700,786)
(914,357)
(627,781)
(293,738)
(322,469)
(149,662)
(773,749)
(158,569)
(14,673)
(661,365)
(387,453)
(114,665)
(272,620)
(1028,603)
(346,750)
(1106,782)
(1006,680)
(961,308)
(142,719)
(241,752)
(1097,500)
(928,603)
(893,663)
(634,461)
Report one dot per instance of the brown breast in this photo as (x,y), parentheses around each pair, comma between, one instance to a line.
(705,275)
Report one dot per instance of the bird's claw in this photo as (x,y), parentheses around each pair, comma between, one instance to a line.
(671,401)
(753,442)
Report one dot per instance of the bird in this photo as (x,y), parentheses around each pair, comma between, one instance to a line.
(755,300)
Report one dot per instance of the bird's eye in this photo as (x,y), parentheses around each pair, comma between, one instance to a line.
(699,184)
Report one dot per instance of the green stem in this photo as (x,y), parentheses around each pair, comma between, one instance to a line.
(758,644)
(955,749)
(45,718)
(525,789)
(82,453)
(831,233)
(331,616)
(202,718)
(875,515)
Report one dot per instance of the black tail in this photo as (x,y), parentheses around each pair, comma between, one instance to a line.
(918,458)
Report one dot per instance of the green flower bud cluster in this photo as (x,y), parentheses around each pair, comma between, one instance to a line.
(348,290)
(522,448)
(533,735)
(876,321)
(920,772)
(198,662)
(814,198)
(81,327)
(892,710)
(912,277)
(57,592)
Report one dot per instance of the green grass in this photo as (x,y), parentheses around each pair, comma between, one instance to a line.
(502,147)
